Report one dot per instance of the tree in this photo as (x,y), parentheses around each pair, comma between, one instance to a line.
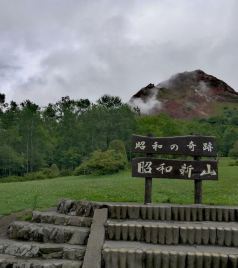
(2,102)
(229,138)
(110,101)
(234,151)
(34,140)
(10,161)
(100,125)
(2,98)
(119,147)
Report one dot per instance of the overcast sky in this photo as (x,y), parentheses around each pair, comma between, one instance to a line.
(86,48)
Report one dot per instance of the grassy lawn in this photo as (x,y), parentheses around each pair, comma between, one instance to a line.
(17,196)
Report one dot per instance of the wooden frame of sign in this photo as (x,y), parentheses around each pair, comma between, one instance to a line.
(196,169)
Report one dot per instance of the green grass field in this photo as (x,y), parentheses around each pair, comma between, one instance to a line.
(17,196)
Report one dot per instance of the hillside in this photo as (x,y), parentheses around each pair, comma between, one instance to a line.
(186,95)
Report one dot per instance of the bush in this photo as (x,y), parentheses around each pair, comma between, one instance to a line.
(45,173)
(66,172)
(51,172)
(54,170)
(233,163)
(32,176)
(11,179)
(234,151)
(101,163)
(38,175)
(119,147)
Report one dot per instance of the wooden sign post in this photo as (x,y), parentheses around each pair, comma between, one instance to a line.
(197,169)
(148,183)
(197,186)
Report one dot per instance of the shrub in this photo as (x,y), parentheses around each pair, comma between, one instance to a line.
(233,163)
(101,163)
(55,172)
(38,175)
(66,172)
(119,147)
(234,151)
(11,179)
(51,172)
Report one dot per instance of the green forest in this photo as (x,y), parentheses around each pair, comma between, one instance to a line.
(73,136)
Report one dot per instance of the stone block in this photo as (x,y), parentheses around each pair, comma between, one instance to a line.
(165,259)
(174,211)
(228,237)
(220,236)
(139,233)
(132,232)
(181,213)
(123,258)
(191,260)
(155,213)
(124,228)
(161,235)
(205,235)
(154,234)
(133,212)
(181,260)
(183,235)
(168,213)
(150,213)
(191,235)
(162,213)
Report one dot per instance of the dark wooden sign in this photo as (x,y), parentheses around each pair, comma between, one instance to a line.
(197,169)
(174,169)
(184,145)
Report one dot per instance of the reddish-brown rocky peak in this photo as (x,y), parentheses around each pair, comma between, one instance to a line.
(185,95)
(144,92)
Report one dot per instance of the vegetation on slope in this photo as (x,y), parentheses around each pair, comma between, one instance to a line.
(74,133)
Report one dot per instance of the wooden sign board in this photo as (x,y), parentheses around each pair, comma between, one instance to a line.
(174,169)
(183,145)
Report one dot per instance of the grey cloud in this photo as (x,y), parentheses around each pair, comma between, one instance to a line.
(85,49)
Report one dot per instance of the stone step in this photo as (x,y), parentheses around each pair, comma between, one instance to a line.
(176,223)
(152,212)
(41,250)
(41,232)
(140,256)
(173,212)
(7,261)
(78,208)
(171,248)
(174,233)
(53,217)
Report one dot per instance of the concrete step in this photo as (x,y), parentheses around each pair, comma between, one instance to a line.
(174,233)
(41,232)
(176,223)
(138,255)
(151,212)
(53,217)
(7,261)
(41,250)
(171,248)
(79,208)
(174,212)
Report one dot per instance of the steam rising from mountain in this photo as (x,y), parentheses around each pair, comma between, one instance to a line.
(185,95)
(147,106)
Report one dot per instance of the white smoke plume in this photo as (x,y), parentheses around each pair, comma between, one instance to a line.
(149,104)
(203,90)
(169,82)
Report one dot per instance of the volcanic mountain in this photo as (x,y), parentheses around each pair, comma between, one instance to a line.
(186,95)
